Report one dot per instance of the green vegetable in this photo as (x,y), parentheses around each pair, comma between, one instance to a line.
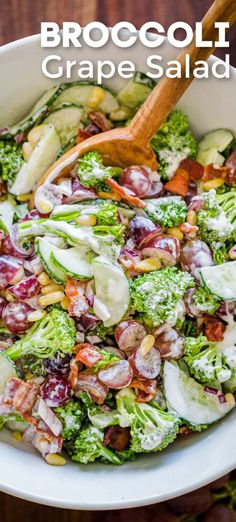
(107,358)
(217,222)
(11,160)
(33,365)
(205,301)
(9,417)
(54,334)
(88,447)
(173,143)
(192,401)
(115,230)
(205,362)
(107,214)
(157,295)
(93,173)
(167,212)
(151,428)
(189,327)
(71,416)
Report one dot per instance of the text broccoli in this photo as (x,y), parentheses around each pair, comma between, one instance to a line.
(54,334)
(157,295)
(173,143)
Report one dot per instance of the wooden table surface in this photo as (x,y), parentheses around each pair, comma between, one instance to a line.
(19,18)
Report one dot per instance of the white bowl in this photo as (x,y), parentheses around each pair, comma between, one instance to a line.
(190,462)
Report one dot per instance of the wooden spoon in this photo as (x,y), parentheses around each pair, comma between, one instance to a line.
(130,145)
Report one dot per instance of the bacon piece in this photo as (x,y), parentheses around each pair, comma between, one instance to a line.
(75,367)
(43,439)
(213,328)
(76,293)
(117,438)
(194,169)
(231,169)
(100,120)
(125,194)
(145,389)
(179,183)
(83,135)
(5,409)
(90,383)
(88,354)
(22,395)
(49,417)
(213,171)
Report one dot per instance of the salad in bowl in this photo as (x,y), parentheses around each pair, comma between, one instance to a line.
(117,285)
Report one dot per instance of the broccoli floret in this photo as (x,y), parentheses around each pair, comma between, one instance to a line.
(107,213)
(157,295)
(54,334)
(115,230)
(8,417)
(205,302)
(173,143)
(93,173)
(107,358)
(11,160)
(33,365)
(168,212)
(206,363)
(89,446)
(71,416)
(151,428)
(217,222)
(189,327)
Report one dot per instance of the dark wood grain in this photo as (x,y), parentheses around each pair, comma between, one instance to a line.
(19,18)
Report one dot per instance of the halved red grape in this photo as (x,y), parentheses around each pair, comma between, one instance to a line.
(194,255)
(140,227)
(90,384)
(169,344)
(26,289)
(8,248)
(15,316)
(129,335)
(145,366)
(137,179)
(155,190)
(165,248)
(10,268)
(79,193)
(56,391)
(117,375)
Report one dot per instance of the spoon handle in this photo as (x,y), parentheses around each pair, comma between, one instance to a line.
(166,94)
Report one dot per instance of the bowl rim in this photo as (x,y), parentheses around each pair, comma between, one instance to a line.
(22,492)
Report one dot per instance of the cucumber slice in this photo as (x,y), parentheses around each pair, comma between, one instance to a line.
(206,157)
(111,289)
(220,280)
(7,371)
(66,121)
(218,139)
(44,251)
(86,94)
(189,400)
(36,115)
(43,155)
(72,262)
(135,92)
(7,211)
